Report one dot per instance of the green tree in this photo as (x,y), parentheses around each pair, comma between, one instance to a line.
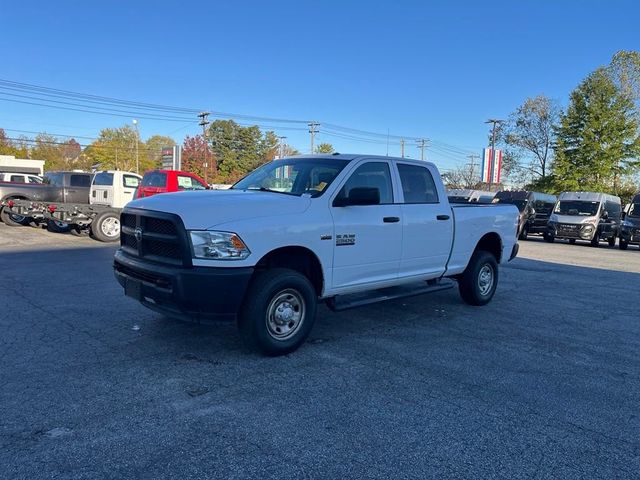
(238,149)
(325,148)
(115,148)
(153,148)
(48,148)
(597,140)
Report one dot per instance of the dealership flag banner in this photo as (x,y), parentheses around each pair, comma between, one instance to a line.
(489,170)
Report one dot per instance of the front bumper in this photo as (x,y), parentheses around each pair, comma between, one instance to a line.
(630,234)
(573,231)
(190,293)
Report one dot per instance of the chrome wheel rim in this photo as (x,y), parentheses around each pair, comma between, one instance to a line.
(285,314)
(111,227)
(485,279)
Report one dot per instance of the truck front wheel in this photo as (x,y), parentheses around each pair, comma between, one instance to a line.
(278,312)
(478,282)
(106,227)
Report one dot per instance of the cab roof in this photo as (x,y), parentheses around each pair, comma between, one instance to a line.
(352,157)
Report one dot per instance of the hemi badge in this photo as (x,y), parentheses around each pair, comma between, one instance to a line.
(325,237)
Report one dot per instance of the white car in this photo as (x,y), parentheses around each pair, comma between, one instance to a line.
(344,229)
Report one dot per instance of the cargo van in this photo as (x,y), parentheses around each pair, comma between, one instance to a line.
(630,226)
(465,195)
(535,209)
(588,216)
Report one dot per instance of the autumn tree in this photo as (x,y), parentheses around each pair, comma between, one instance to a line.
(9,146)
(195,154)
(115,148)
(597,140)
(325,148)
(527,138)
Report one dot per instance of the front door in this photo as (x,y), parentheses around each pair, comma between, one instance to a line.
(367,238)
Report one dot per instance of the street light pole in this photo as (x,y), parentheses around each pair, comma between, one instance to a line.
(135,124)
(495,122)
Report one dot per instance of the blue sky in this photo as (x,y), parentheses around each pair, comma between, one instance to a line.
(436,70)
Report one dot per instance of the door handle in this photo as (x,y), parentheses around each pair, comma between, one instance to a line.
(391,219)
(443,217)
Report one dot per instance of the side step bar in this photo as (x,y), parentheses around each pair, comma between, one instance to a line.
(353,300)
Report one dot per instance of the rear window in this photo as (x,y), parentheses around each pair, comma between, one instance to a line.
(17,178)
(154,179)
(186,182)
(80,181)
(417,184)
(103,179)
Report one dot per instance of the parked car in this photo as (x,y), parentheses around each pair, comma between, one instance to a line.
(586,216)
(164,181)
(630,226)
(20,177)
(463,195)
(535,209)
(345,229)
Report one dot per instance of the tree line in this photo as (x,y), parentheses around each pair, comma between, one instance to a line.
(594,144)
(228,153)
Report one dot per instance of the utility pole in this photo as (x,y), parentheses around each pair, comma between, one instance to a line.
(135,124)
(312,130)
(473,166)
(495,122)
(402,147)
(203,123)
(282,144)
(422,144)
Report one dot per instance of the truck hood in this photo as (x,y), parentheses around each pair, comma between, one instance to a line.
(205,209)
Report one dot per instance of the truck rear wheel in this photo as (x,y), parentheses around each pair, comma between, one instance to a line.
(478,282)
(278,312)
(106,227)
(612,241)
(13,220)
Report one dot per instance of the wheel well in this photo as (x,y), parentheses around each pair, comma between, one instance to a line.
(491,243)
(14,197)
(300,259)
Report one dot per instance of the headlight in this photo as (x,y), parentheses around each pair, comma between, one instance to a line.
(218,246)
(588,228)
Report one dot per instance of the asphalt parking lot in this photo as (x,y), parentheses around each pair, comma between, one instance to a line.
(544,382)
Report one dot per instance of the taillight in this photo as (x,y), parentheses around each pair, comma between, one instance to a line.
(52,208)
(10,204)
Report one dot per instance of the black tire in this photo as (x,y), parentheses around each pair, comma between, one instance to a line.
(548,238)
(57,226)
(572,241)
(595,241)
(269,293)
(76,231)
(524,233)
(106,227)
(473,289)
(623,244)
(612,241)
(13,220)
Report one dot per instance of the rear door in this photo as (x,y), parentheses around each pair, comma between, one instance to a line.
(367,238)
(427,223)
(152,183)
(77,187)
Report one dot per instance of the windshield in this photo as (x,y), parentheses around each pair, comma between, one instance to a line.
(293,176)
(634,210)
(577,207)
(518,203)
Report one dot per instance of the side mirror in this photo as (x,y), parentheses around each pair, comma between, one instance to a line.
(623,215)
(533,211)
(359,196)
(605,215)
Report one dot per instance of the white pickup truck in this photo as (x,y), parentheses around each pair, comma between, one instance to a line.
(344,229)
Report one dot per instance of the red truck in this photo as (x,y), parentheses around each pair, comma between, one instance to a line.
(164,181)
